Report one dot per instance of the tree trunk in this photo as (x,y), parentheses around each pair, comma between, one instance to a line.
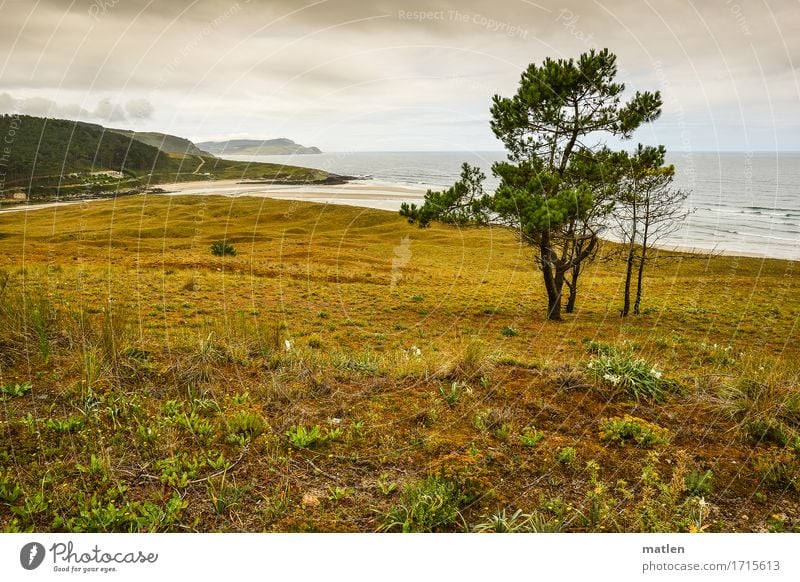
(638,302)
(553,280)
(572,285)
(626,304)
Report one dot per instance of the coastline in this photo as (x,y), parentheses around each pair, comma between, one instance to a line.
(366,194)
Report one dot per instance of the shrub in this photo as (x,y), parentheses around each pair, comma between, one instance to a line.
(428,505)
(509,331)
(634,376)
(779,469)
(699,483)
(628,428)
(223,248)
(767,430)
(530,437)
(567,456)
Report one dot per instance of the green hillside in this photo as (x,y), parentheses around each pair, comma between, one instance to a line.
(48,158)
(36,147)
(166,143)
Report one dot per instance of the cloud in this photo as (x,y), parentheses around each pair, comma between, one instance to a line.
(210,66)
(105,111)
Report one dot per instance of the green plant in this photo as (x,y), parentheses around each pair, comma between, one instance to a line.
(634,376)
(333,434)
(336,494)
(302,437)
(68,425)
(517,522)
(509,331)
(530,437)
(600,348)
(10,491)
(365,363)
(503,431)
(779,469)
(453,393)
(14,390)
(222,248)
(385,486)
(244,424)
(767,430)
(699,483)
(628,428)
(431,504)
(567,456)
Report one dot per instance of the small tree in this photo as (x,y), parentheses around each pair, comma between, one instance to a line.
(648,209)
(545,193)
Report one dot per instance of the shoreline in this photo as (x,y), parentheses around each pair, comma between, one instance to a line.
(356,193)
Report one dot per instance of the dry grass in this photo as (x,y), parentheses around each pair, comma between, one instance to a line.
(181,373)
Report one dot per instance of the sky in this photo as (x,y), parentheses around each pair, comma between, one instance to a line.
(387,75)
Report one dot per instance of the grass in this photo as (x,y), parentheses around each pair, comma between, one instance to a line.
(146,385)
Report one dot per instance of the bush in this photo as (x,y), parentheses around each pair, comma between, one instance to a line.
(634,376)
(509,331)
(427,505)
(699,483)
(631,429)
(222,248)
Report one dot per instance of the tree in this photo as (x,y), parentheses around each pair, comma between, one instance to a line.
(648,210)
(548,188)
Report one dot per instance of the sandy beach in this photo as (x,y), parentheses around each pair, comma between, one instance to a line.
(367,194)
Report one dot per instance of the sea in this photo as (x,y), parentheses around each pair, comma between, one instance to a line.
(744,203)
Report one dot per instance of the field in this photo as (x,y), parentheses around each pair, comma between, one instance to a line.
(346,371)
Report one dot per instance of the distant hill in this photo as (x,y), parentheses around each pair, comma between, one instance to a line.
(39,147)
(46,158)
(256,147)
(171,144)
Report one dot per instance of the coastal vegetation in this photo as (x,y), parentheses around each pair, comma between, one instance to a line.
(60,159)
(312,382)
(561,182)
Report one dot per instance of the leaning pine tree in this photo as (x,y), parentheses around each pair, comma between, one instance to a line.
(547,193)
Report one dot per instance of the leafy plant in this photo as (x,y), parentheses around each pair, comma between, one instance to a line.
(453,393)
(385,486)
(567,456)
(628,428)
(303,437)
(509,331)
(517,522)
(431,504)
(14,390)
(222,248)
(67,425)
(634,376)
(699,483)
(530,437)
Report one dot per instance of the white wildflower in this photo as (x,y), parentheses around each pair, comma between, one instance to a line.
(288,345)
(613,378)
(656,373)
(415,351)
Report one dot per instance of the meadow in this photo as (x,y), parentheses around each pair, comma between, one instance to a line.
(346,371)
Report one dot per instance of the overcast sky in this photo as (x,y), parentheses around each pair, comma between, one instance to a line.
(395,75)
